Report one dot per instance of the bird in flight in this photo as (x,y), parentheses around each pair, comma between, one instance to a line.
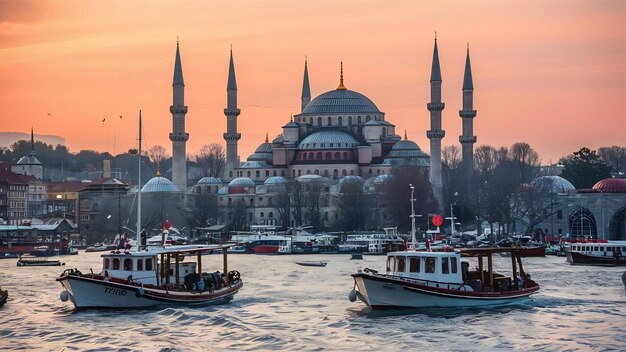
(104,119)
(120,116)
(49,114)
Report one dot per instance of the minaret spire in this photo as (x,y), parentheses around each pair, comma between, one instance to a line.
(435,134)
(467,139)
(178,136)
(32,141)
(232,112)
(306,89)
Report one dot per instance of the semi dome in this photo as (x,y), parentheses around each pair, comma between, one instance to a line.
(210,181)
(611,185)
(407,152)
(263,152)
(340,101)
(552,184)
(274,180)
(241,182)
(328,139)
(159,184)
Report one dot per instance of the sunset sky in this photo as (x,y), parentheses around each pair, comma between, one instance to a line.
(550,73)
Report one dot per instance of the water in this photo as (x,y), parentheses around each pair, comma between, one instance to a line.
(283,306)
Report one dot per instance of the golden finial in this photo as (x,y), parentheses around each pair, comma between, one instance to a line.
(267,140)
(291,117)
(158,174)
(435,35)
(468,47)
(405,135)
(341,86)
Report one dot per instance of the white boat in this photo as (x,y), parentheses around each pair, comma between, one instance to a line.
(149,276)
(29,260)
(373,243)
(304,242)
(599,252)
(312,263)
(417,279)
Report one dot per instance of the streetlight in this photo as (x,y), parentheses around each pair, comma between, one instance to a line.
(413,216)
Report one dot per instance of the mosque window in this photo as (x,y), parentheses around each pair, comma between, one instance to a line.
(351,172)
(319,156)
(317,172)
(343,172)
(248,173)
(271,215)
(303,156)
(299,172)
(325,172)
(378,172)
(251,201)
(369,172)
(310,120)
(267,173)
(330,121)
(337,155)
(345,155)
(384,131)
(329,155)
(335,173)
(258,173)
(262,214)
(367,119)
(282,172)
(319,121)
(274,173)
(308,172)
(340,121)
(349,120)
(359,120)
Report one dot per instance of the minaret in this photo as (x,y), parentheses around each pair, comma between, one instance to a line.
(231,136)
(32,142)
(178,136)
(306,89)
(467,139)
(435,134)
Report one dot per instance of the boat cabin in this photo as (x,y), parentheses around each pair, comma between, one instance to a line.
(428,266)
(606,249)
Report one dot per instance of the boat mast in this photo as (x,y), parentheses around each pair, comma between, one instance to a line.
(139,189)
(413,217)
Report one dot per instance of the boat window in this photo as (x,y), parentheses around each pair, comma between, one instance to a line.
(608,249)
(601,249)
(414,265)
(390,260)
(444,266)
(139,264)
(430,264)
(453,265)
(116,264)
(107,263)
(128,264)
(149,264)
(401,264)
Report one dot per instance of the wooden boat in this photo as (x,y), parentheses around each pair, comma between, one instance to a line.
(37,261)
(420,279)
(4,295)
(312,263)
(597,253)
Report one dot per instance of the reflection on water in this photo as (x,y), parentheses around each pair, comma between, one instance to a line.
(289,307)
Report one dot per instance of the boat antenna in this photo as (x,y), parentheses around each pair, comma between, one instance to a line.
(413,239)
(139,189)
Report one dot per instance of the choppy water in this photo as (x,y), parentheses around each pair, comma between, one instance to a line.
(283,306)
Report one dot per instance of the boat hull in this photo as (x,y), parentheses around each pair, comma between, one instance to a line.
(4,295)
(97,292)
(266,249)
(580,258)
(382,292)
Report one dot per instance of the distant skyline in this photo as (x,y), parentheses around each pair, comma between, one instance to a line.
(550,73)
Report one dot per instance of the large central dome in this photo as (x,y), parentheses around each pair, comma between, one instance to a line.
(341,101)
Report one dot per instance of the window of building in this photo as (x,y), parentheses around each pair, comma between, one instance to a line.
(319,121)
(271,215)
(258,173)
(330,121)
(328,155)
(248,173)
(267,173)
(262,214)
(311,121)
(349,120)
(252,202)
(319,156)
(340,121)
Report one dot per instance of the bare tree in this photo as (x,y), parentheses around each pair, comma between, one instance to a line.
(613,156)
(451,156)
(486,158)
(353,205)
(211,159)
(526,161)
(157,154)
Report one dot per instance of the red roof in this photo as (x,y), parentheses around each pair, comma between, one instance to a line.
(611,185)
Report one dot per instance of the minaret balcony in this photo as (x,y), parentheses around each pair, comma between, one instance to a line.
(232,112)
(467,139)
(435,106)
(435,134)
(178,109)
(467,114)
(179,137)
(232,136)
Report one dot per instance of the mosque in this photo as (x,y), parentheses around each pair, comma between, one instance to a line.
(340,134)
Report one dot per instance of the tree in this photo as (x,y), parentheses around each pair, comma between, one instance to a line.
(205,210)
(525,161)
(312,203)
(211,159)
(283,203)
(584,168)
(237,214)
(613,156)
(296,200)
(451,156)
(353,205)
(157,154)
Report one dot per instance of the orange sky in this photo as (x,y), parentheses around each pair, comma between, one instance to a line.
(551,73)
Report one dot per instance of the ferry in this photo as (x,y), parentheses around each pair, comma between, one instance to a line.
(597,252)
(376,243)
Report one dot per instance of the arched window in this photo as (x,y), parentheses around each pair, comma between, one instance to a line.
(116,264)
(319,121)
(139,264)
(267,173)
(349,120)
(230,201)
(274,173)
(303,156)
(337,156)
(367,119)
(330,121)
(329,155)
(271,215)
(262,214)
(311,121)
(340,121)
(308,172)
(319,156)
(248,173)
(251,201)
(582,223)
(317,172)
(335,173)
(351,172)
(258,173)
(148,264)
(343,172)
(311,156)
(325,172)
(128,264)
(359,120)
(345,155)
(299,172)
(384,131)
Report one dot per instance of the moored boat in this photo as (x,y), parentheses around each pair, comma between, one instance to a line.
(4,295)
(312,263)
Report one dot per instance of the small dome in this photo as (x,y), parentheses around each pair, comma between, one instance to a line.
(407,152)
(159,184)
(611,185)
(241,182)
(328,139)
(351,179)
(210,181)
(340,101)
(274,180)
(552,184)
(383,178)
(255,165)
(262,153)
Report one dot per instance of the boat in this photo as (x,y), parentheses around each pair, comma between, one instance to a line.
(597,253)
(424,279)
(151,276)
(4,295)
(26,260)
(357,256)
(100,247)
(9,255)
(303,242)
(312,263)
(373,243)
